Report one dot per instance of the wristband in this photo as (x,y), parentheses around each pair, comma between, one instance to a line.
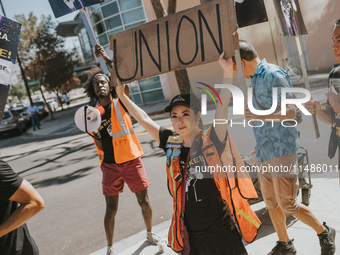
(108,62)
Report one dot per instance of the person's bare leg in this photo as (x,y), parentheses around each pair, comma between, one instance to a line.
(109,219)
(279,222)
(144,203)
(307,217)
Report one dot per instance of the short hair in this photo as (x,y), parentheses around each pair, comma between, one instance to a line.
(247,51)
(88,86)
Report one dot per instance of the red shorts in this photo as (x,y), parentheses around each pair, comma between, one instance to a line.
(131,172)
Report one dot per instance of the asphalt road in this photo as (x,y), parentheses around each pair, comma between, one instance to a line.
(65,170)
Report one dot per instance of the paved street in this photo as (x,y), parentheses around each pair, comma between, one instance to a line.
(64,168)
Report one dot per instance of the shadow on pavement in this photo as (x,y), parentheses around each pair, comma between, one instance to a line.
(62,179)
(141,248)
(267,227)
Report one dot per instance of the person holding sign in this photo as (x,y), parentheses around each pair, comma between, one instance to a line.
(203,201)
(330,114)
(19,202)
(277,147)
(120,154)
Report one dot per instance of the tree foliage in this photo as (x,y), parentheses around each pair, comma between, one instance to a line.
(17,90)
(29,28)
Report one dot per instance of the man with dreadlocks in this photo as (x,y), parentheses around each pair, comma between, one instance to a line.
(120,155)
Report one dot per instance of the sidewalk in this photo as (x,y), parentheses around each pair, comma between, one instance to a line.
(306,241)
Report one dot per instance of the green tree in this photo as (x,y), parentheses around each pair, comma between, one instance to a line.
(17,90)
(29,28)
(49,61)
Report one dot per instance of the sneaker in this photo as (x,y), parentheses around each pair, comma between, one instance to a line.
(283,248)
(327,241)
(110,250)
(152,237)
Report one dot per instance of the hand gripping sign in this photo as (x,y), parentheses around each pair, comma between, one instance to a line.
(62,7)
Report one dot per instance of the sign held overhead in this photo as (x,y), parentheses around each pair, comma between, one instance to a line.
(185,39)
(63,7)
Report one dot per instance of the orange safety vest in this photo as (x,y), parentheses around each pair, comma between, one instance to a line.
(126,145)
(235,188)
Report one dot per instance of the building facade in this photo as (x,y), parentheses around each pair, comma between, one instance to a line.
(113,16)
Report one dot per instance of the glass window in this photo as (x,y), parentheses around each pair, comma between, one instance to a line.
(116,30)
(134,87)
(134,25)
(132,16)
(137,99)
(99,28)
(153,96)
(7,115)
(110,9)
(129,4)
(150,83)
(113,22)
(103,39)
(96,16)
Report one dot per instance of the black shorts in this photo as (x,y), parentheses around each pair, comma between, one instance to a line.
(221,239)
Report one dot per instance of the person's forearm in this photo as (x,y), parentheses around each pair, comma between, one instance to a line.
(133,109)
(277,116)
(336,107)
(99,144)
(325,116)
(141,116)
(20,216)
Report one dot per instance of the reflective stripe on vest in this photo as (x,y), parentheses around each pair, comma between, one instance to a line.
(172,228)
(245,217)
(125,143)
(124,131)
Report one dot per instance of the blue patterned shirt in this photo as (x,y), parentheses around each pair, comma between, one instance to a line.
(272,139)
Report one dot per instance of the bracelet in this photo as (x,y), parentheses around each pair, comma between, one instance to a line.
(108,62)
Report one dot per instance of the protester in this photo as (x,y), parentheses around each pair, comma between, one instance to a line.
(330,114)
(120,155)
(15,238)
(203,210)
(33,111)
(277,145)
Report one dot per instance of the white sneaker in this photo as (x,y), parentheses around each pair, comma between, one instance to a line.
(110,250)
(152,237)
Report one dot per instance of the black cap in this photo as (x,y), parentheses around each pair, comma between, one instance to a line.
(188,100)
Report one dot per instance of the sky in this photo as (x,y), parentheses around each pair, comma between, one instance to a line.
(38,7)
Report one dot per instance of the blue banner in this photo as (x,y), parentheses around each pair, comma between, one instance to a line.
(63,7)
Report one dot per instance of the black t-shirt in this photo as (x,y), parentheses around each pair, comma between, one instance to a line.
(334,79)
(19,241)
(105,130)
(204,204)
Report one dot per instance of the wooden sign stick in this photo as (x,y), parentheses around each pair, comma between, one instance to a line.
(305,78)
